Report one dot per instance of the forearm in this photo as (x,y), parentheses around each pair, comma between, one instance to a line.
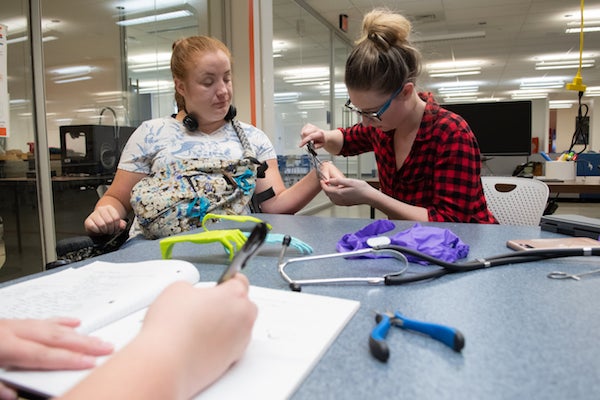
(141,370)
(293,199)
(396,209)
(108,200)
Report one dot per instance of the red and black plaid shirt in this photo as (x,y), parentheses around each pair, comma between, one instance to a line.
(441,172)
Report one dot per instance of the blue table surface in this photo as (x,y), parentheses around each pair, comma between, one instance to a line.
(527,336)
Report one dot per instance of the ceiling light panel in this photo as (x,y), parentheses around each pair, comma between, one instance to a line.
(155,18)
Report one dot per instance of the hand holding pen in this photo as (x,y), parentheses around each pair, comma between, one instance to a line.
(255,241)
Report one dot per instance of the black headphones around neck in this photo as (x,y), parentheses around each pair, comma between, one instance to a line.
(191,123)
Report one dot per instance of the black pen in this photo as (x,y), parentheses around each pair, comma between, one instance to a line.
(255,241)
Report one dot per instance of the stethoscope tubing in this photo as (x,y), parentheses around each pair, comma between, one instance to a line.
(400,278)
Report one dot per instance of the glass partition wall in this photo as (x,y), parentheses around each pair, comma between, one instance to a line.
(20,244)
(106,69)
(309,58)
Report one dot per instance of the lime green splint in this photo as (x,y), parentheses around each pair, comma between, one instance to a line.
(231,239)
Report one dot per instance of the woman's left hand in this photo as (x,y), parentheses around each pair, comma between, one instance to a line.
(347,192)
(48,344)
(330,171)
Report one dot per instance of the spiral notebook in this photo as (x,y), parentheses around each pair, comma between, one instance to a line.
(292,331)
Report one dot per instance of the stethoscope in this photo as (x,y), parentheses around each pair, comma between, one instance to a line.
(380,245)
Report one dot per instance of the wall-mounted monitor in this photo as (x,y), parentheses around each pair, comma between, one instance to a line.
(502,128)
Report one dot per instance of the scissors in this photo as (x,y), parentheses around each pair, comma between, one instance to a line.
(314,159)
(564,275)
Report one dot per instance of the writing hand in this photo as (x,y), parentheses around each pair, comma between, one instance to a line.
(211,329)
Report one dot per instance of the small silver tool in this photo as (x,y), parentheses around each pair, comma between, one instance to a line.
(314,159)
(565,275)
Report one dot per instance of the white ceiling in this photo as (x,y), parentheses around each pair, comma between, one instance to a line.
(516,32)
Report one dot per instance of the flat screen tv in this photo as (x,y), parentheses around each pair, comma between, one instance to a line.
(502,128)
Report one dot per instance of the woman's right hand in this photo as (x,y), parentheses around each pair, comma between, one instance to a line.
(331,141)
(204,330)
(312,133)
(104,220)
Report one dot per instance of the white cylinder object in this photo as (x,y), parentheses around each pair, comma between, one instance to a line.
(565,170)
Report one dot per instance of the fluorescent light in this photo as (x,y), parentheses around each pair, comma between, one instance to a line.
(523,94)
(17,39)
(15,102)
(555,104)
(150,58)
(454,68)
(459,99)
(286,97)
(458,89)
(532,91)
(74,70)
(155,18)
(307,76)
(592,91)
(456,73)
(311,104)
(449,36)
(542,66)
(340,91)
(585,29)
(542,83)
(24,38)
(150,69)
(77,79)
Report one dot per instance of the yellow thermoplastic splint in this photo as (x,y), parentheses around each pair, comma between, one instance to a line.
(231,239)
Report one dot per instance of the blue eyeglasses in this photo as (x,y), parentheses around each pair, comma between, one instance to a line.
(374,115)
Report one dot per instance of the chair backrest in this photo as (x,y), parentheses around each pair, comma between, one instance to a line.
(515,201)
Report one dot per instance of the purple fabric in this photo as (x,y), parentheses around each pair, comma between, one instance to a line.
(358,239)
(440,243)
(436,242)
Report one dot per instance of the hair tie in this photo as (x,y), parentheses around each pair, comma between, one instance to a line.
(378,40)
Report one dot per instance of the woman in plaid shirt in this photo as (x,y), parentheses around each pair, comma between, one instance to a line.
(427,157)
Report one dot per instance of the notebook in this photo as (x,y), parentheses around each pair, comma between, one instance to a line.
(291,334)
(573,225)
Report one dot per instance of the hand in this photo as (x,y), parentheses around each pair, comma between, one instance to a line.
(7,393)
(330,171)
(347,192)
(48,344)
(104,220)
(204,331)
(311,132)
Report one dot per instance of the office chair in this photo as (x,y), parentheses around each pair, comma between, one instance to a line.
(514,200)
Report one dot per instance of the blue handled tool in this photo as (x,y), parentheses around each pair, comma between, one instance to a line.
(449,336)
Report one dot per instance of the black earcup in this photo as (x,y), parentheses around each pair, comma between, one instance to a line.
(231,113)
(190,122)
